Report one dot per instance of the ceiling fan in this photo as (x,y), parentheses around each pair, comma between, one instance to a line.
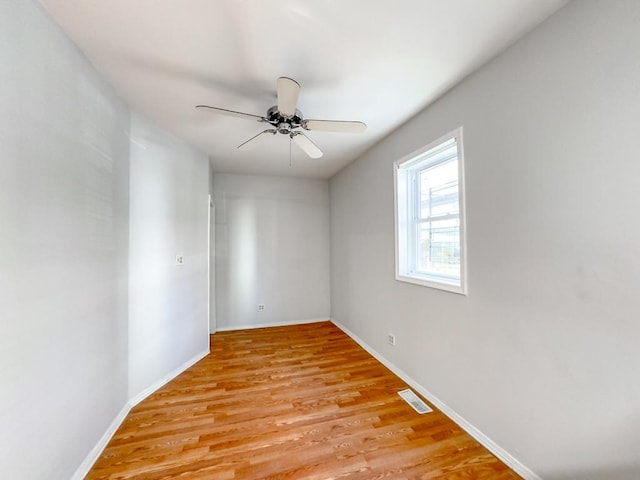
(286,119)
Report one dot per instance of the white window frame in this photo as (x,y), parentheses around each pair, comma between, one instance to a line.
(406,233)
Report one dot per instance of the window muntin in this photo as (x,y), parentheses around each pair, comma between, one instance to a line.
(429,216)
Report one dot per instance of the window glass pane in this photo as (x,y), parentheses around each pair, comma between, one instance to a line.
(439,190)
(438,249)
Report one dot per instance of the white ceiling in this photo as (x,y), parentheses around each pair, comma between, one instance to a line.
(379,62)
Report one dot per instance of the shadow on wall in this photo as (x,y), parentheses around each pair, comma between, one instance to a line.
(613,473)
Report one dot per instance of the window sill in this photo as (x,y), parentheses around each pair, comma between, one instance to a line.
(426,282)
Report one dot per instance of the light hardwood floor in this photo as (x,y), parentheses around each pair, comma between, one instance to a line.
(298,402)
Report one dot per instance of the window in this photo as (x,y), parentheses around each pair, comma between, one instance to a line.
(430,242)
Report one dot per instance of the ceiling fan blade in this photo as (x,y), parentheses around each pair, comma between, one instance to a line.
(288,91)
(231,112)
(253,141)
(334,126)
(306,145)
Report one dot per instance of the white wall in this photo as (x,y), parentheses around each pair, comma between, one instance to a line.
(169,202)
(542,354)
(272,247)
(63,237)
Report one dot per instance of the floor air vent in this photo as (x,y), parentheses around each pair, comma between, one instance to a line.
(415,402)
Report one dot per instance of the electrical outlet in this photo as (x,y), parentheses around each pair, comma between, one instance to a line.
(261,307)
(179,260)
(391,339)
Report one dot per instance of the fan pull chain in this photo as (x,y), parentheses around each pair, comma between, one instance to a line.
(290,140)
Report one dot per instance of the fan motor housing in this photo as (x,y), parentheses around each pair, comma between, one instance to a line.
(283,123)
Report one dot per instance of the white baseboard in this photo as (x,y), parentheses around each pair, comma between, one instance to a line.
(136,399)
(274,324)
(96,451)
(484,440)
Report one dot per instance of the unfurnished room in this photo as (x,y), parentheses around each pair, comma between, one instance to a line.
(319,240)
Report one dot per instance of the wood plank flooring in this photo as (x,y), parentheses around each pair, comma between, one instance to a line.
(299,402)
